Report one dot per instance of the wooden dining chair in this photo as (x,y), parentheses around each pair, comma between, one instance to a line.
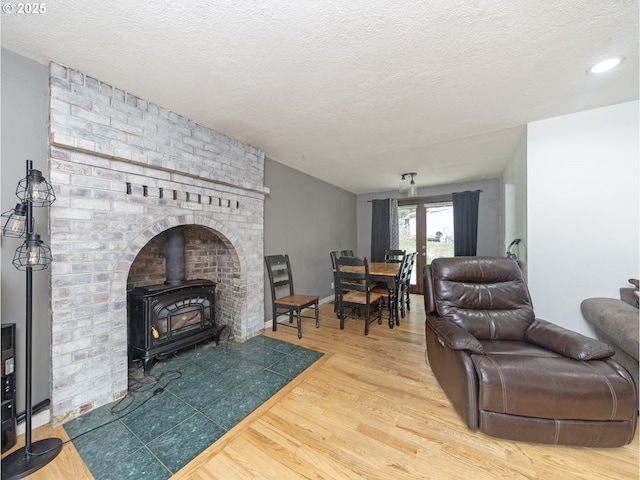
(334,257)
(354,291)
(283,299)
(404,290)
(393,297)
(394,255)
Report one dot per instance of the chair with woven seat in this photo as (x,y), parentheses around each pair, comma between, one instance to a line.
(354,290)
(393,297)
(334,256)
(283,299)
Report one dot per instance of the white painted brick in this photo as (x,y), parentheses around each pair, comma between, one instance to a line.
(70,213)
(58,70)
(97,229)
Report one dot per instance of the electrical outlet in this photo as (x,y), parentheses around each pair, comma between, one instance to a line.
(332,286)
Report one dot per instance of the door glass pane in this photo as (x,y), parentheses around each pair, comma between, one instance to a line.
(439,221)
(407,232)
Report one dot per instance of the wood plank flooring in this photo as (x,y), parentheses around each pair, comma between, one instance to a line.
(370,409)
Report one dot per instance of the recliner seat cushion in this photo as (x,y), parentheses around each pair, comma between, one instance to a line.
(553,387)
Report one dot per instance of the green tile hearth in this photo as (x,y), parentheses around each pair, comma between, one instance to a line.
(206,391)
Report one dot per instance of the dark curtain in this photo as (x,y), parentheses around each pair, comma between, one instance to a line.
(379,229)
(465,223)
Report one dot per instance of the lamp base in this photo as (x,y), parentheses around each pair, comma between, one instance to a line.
(20,463)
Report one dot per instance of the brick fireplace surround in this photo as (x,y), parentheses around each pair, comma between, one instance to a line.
(124,171)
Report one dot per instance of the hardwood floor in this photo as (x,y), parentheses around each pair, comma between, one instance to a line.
(370,409)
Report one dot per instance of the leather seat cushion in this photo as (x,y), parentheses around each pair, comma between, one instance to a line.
(553,387)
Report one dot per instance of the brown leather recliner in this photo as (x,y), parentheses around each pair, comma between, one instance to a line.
(512,375)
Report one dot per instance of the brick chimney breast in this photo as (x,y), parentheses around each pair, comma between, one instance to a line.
(125,171)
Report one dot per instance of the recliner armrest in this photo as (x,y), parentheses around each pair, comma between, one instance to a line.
(566,342)
(454,336)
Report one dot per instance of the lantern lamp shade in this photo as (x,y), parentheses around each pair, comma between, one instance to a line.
(33,253)
(15,223)
(35,189)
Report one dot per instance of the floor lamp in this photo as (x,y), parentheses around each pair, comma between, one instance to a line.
(33,254)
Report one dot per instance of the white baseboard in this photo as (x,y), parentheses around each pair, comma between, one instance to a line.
(37,420)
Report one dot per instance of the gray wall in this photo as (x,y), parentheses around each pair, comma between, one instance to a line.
(306,218)
(25,97)
(489,214)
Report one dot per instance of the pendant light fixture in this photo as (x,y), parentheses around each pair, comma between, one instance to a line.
(407,185)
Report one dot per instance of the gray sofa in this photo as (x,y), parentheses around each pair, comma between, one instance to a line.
(616,322)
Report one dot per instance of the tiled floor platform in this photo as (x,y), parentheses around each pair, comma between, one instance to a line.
(206,391)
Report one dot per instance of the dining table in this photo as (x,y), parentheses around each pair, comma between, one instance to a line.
(387,273)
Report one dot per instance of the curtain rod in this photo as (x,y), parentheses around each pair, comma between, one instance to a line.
(418,198)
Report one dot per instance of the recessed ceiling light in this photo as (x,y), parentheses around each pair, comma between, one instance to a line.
(606,65)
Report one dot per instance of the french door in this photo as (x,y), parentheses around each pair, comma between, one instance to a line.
(425,225)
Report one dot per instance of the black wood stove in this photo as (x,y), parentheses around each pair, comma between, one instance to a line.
(177,314)
(166,318)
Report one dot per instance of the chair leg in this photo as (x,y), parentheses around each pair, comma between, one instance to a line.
(366,320)
(408,297)
(299,324)
(317,319)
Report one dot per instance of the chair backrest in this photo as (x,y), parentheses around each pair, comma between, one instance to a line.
(486,296)
(334,256)
(395,256)
(353,280)
(346,253)
(408,267)
(280,278)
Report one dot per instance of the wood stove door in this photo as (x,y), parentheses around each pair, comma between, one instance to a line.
(171,321)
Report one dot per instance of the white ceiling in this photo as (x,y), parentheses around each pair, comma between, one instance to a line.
(354,93)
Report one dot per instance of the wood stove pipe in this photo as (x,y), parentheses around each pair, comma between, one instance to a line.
(174,256)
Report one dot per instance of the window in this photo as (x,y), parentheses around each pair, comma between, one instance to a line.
(439,223)
(425,225)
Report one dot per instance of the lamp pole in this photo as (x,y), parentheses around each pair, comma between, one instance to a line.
(33,456)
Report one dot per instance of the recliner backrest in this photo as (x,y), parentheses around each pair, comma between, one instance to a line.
(487,296)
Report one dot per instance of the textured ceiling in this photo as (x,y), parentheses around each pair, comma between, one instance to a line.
(354,93)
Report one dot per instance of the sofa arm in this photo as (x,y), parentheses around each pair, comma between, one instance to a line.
(566,342)
(614,321)
(454,336)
